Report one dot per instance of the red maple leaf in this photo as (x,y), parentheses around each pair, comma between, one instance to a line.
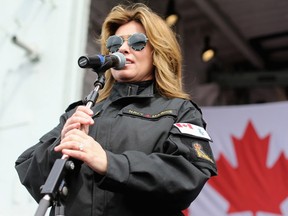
(252,186)
(185,212)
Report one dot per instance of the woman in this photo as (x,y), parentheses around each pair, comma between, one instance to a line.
(142,150)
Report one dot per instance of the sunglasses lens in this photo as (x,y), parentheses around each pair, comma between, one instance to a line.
(114,43)
(137,41)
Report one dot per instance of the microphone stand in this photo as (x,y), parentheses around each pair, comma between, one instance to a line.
(55,187)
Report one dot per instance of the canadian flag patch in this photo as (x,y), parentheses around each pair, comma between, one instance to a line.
(192,129)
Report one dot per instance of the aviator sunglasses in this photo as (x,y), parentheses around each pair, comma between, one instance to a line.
(136,41)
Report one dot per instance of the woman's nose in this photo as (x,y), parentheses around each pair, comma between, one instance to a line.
(124,47)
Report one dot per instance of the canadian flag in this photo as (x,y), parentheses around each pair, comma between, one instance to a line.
(250,145)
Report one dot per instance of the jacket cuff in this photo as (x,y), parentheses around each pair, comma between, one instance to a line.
(117,174)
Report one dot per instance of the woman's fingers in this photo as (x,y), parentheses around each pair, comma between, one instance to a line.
(79,145)
(81,119)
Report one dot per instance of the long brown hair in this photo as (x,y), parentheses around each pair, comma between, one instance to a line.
(167,57)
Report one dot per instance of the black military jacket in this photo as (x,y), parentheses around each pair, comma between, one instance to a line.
(159,157)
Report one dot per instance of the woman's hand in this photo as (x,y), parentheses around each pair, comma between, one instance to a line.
(78,144)
(81,119)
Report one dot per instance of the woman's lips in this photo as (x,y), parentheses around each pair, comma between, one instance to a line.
(129,61)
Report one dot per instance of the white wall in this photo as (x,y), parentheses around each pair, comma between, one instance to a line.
(34,94)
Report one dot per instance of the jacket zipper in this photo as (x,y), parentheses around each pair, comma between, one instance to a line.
(129,90)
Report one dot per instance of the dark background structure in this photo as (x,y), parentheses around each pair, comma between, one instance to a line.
(250,39)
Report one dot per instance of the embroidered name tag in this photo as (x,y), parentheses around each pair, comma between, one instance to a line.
(150,115)
(192,129)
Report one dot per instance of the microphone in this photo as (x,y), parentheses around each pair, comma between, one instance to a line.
(103,62)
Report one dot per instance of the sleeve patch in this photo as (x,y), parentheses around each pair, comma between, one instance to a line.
(200,152)
(192,129)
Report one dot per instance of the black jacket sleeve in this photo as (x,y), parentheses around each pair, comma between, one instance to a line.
(33,165)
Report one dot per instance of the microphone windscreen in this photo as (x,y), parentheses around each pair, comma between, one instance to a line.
(121,60)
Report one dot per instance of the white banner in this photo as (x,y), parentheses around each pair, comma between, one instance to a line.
(250,145)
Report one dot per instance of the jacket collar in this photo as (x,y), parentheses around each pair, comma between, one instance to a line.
(141,89)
